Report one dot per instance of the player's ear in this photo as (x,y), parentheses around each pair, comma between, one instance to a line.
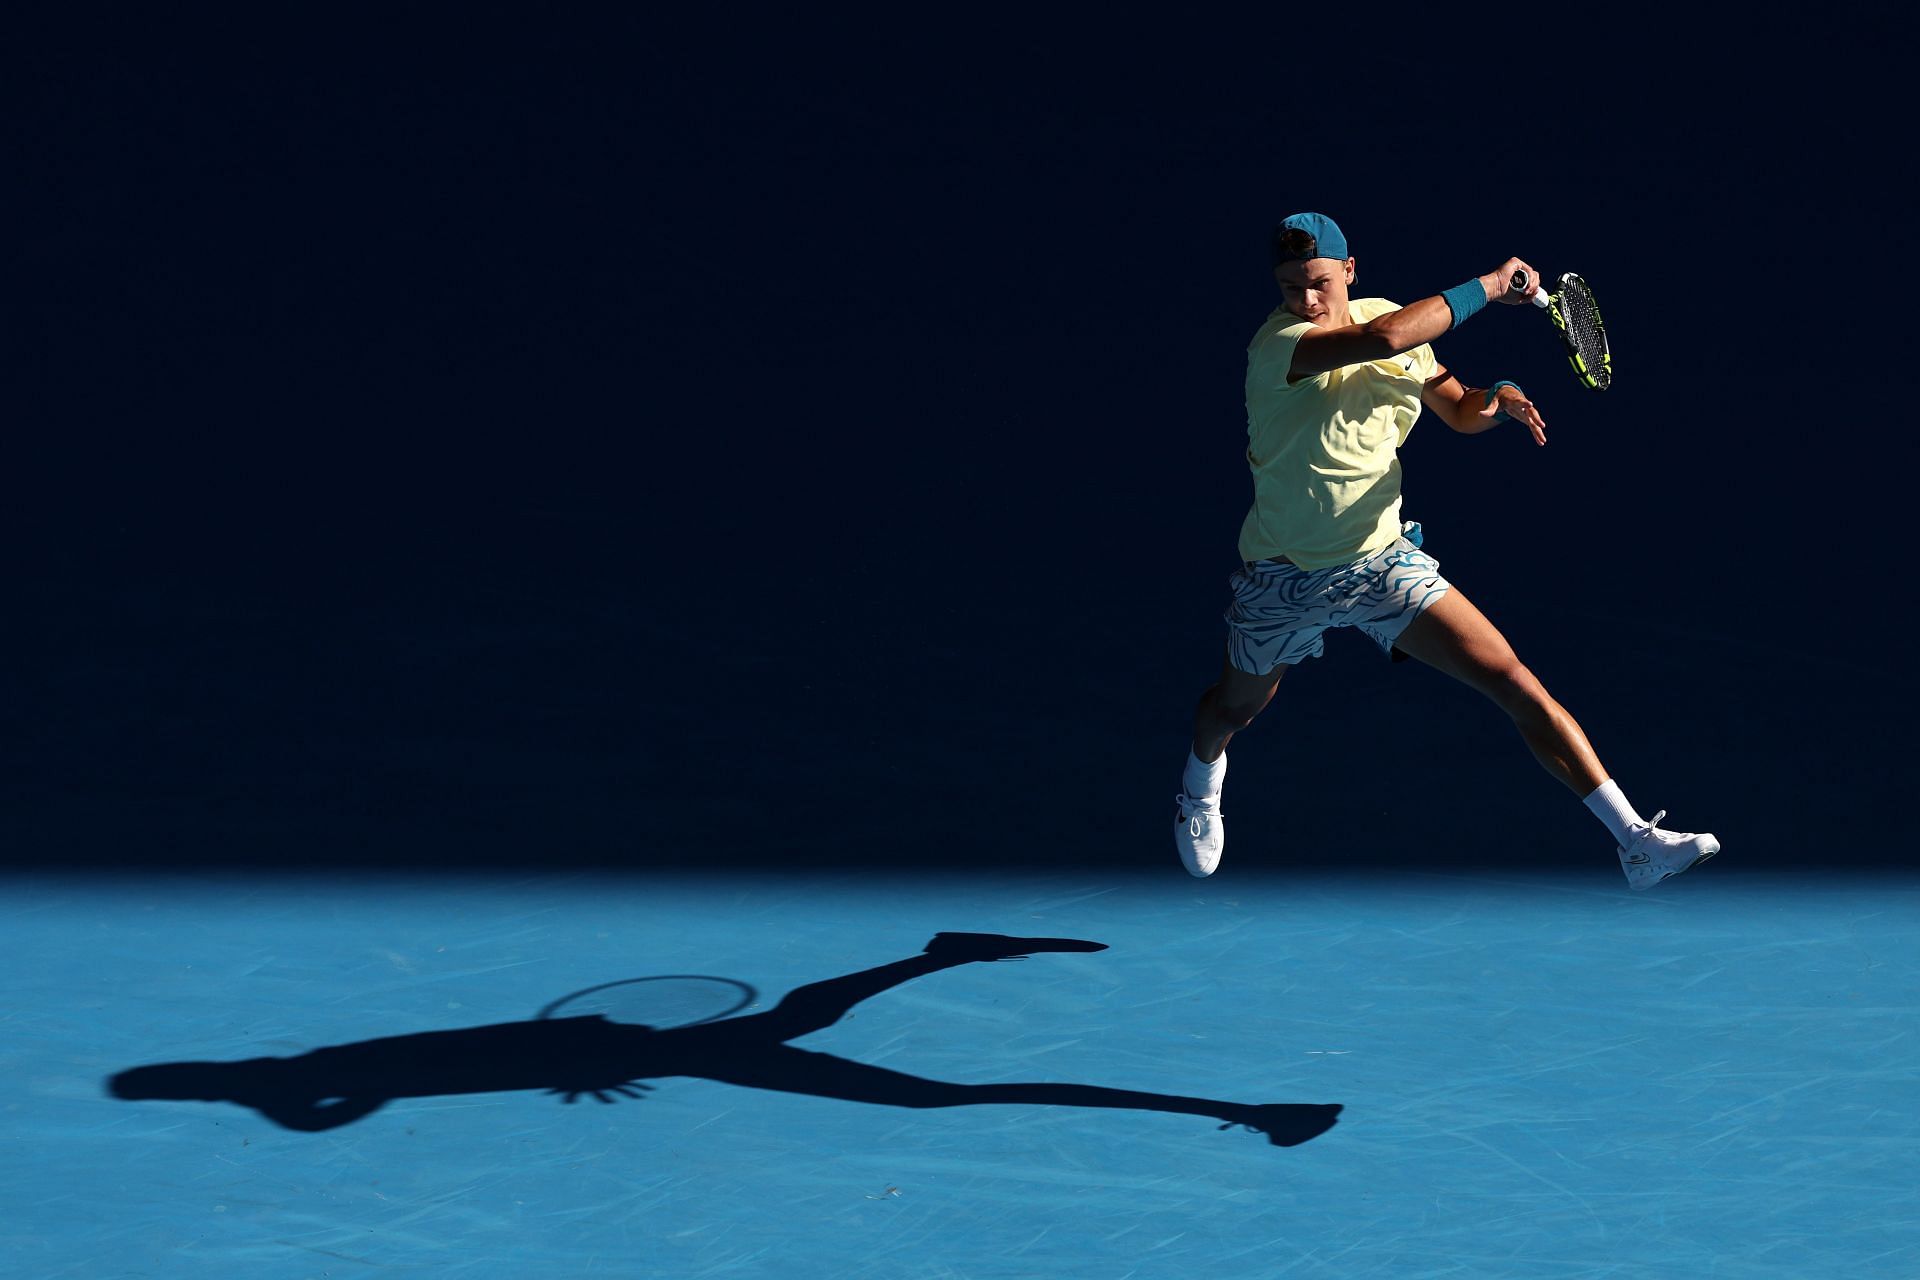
(1349,270)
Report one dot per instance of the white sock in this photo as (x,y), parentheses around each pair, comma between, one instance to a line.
(1612,808)
(1203,781)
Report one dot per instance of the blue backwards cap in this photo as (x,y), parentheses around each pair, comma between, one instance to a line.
(1328,241)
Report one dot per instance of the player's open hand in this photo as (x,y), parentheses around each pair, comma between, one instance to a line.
(1509,401)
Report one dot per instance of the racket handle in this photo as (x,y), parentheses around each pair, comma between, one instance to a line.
(1539,299)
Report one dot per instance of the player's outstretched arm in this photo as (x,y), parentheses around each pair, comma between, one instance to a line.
(1402,330)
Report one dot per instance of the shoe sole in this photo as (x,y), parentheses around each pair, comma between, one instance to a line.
(1706,854)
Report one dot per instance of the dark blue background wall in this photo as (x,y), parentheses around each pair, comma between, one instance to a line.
(531,441)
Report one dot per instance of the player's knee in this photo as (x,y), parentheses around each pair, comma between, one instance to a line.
(1514,687)
(1237,713)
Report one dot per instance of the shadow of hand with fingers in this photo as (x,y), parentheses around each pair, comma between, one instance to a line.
(592,1056)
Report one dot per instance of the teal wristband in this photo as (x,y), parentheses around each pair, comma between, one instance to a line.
(1464,300)
(1494,390)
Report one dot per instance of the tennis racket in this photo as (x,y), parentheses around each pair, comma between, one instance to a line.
(1575,315)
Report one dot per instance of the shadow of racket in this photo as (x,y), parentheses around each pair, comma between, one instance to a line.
(663,1002)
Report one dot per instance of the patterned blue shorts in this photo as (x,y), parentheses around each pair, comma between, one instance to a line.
(1281,613)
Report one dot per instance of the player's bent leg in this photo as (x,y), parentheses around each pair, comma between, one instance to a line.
(1228,706)
(1453,636)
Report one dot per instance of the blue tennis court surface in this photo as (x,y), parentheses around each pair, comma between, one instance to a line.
(1546,1077)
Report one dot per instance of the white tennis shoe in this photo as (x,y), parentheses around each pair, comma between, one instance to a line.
(1652,854)
(1199,833)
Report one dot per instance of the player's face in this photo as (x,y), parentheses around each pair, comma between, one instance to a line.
(1316,289)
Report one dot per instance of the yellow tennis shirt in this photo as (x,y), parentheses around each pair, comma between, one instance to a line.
(1324,450)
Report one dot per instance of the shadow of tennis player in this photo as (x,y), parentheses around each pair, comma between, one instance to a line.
(577,1057)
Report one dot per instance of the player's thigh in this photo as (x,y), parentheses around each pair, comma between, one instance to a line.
(1453,636)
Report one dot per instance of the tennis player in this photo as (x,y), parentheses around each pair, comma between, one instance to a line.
(1334,384)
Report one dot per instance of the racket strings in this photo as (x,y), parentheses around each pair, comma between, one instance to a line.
(1585,333)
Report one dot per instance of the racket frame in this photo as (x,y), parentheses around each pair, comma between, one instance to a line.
(1594,379)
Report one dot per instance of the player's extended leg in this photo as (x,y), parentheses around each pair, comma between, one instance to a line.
(791,1070)
(1453,636)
